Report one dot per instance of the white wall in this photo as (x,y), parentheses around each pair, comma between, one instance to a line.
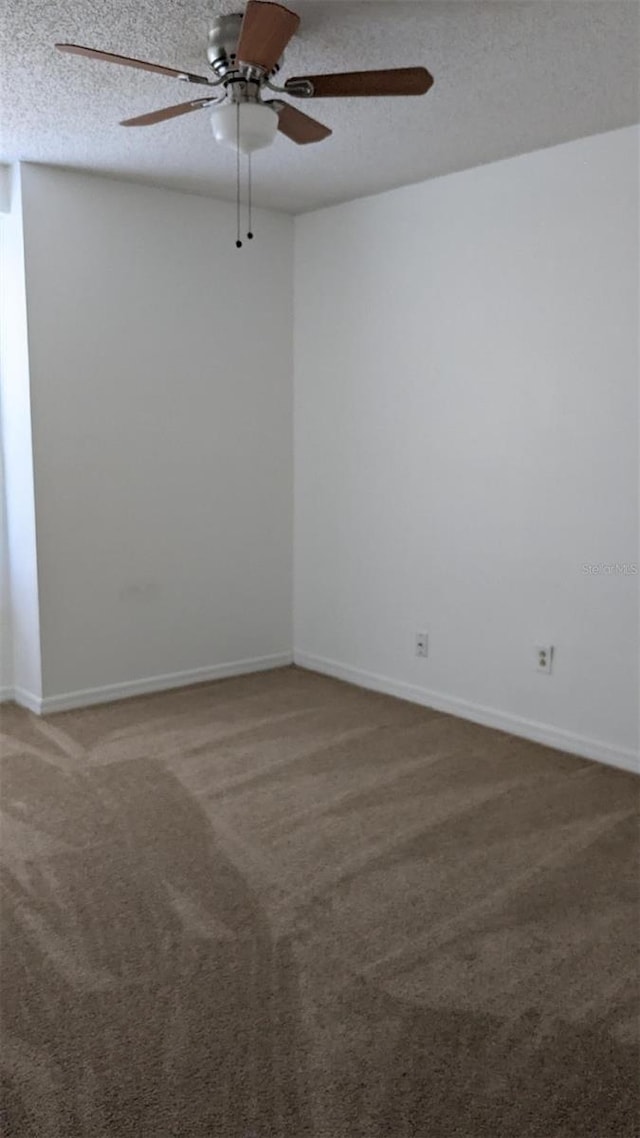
(466,393)
(5,187)
(6,616)
(6,620)
(161,372)
(20,660)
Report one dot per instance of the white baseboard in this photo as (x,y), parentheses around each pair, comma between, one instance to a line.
(621,757)
(67,701)
(26,699)
(624,758)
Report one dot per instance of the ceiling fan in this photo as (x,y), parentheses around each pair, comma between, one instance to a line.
(245,53)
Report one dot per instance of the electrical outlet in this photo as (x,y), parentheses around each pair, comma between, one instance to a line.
(544,658)
(422,644)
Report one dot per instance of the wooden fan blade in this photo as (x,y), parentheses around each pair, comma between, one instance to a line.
(298,127)
(265,32)
(168,113)
(125,61)
(398,81)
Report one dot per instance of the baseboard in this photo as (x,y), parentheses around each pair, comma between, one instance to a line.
(625,759)
(27,699)
(68,701)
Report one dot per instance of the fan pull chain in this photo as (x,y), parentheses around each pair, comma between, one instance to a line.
(249,233)
(238,241)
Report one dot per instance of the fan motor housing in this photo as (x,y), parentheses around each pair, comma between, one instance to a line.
(222,42)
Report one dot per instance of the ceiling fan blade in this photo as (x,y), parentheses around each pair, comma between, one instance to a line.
(298,127)
(168,113)
(140,64)
(265,32)
(397,81)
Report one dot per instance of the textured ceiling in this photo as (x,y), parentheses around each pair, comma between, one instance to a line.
(511,76)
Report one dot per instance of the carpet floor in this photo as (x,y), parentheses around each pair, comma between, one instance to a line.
(280,906)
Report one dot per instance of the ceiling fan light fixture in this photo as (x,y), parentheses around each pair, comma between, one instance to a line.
(245,51)
(256,128)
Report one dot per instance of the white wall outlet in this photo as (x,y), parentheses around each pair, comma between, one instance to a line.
(422,644)
(544,658)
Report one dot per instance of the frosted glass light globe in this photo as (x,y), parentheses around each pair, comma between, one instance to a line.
(258,126)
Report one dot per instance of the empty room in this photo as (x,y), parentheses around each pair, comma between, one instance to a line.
(319,535)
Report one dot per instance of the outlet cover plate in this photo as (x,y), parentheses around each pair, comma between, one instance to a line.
(544,658)
(422,644)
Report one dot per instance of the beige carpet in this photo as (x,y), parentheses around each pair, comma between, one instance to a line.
(279,906)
